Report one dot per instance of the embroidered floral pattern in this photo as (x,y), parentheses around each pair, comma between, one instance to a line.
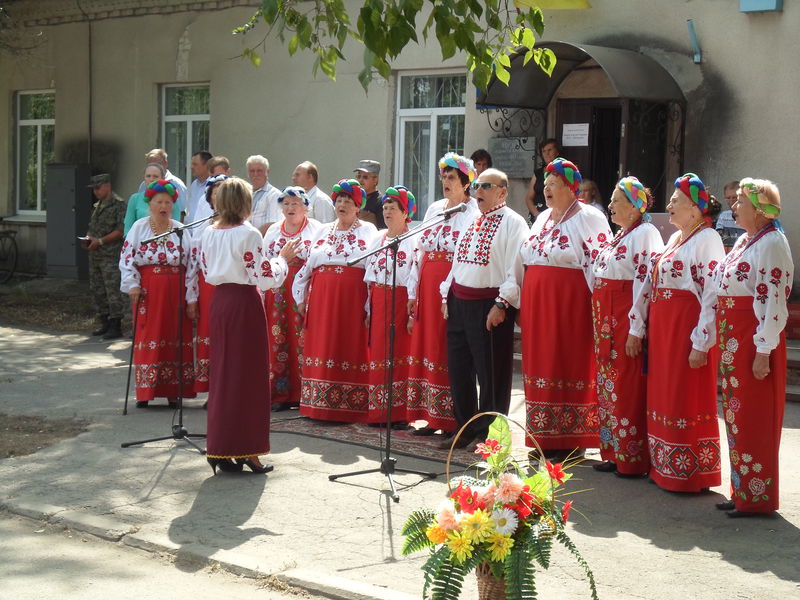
(476,243)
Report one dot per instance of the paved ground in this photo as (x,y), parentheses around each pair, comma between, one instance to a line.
(344,537)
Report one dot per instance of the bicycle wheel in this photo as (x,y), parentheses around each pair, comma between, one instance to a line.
(8,257)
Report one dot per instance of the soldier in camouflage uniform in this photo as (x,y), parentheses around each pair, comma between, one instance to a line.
(104,245)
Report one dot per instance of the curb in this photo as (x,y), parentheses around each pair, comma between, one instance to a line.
(110,529)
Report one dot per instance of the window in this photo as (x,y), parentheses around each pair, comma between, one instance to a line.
(184,125)
(36,123)
(430,122)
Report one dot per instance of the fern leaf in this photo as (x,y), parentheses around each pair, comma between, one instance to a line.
(432,567)
(415,529)
(447,585)
(569,545)
(520,574)
(540,544)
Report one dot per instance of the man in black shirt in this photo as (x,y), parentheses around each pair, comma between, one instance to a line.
(367,173)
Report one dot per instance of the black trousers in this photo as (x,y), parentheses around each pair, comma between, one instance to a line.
(473,353)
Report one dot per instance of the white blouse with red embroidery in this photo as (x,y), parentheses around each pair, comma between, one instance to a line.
(276,237)
(763,270)
(164,252)
(629,258)
(333,247)
(235,255)
(487,254)
(572,244)
(193,269)
(379,266)
(441,237)
(691,267)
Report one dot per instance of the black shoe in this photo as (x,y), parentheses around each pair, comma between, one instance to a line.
(727,505)
(224,464)
(205,405)
(743,514)
(104,324)
(253,467)
(113,330)
(605,467)
(424,431)
(399,425)
(280,406)
(461,443)
(173,404)
(630,475)
(142,404)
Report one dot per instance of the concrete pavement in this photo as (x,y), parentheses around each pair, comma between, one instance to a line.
(343,538)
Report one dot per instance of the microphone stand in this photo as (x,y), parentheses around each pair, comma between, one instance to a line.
(179,432)
(388,462)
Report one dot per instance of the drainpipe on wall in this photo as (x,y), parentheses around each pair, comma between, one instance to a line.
(698,55)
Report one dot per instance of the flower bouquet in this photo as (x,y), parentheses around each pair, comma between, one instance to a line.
(501,524)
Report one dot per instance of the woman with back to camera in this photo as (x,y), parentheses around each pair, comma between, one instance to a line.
(683,434)
(619,304)
(233,262)
(753,283)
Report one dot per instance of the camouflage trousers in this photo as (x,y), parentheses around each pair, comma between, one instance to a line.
(104,279)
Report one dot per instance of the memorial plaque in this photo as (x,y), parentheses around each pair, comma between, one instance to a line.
(509,156)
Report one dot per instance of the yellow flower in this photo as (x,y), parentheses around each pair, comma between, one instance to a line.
(436,534)
(460,546)
(478,526)
(500,546)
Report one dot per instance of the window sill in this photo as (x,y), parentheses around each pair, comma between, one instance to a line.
(26,219)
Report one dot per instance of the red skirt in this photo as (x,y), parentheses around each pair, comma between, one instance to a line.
(428,393)
(683,434)
(202,341)
(752,409)
(335,382)
(621,385)
(285,329)
(239,414)
(558,358)
(155,351)
(380,311)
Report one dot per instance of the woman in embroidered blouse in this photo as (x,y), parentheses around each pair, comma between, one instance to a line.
(138,204)
(153,275)
(284,321)
(233,262)
(619,305)
(428,384)
(683,434)
(557,350)
(399,206)
(753,283)
(332,296)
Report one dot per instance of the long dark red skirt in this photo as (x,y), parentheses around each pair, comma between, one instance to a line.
(335,383)
(155,352)
(380,310)
(558,358)
(239,414)
(621,385)
(752,409)
(428,384)
(683,434)
(202,345)
(285,329)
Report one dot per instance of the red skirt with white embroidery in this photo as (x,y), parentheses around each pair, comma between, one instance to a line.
(428,393)
(202,340)
(239,410)
(558,368)
(335,380)
(752,409)
(285,329)
(621,385)
(683,433)
(380,318)
(157,337)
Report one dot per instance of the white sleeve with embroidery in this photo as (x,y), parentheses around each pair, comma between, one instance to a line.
(708,253)
(647,246)
(774,268)
(129,273)
(594,234)
(515,234)
(191,239)
(264,272)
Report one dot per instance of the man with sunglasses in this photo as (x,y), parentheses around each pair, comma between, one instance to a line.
(480,298)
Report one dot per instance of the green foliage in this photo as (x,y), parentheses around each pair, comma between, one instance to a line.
(562,537)
(447,585)
(540,543)
(520,574)
(489,33)
(415,529)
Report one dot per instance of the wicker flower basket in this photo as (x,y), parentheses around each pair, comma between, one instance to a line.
(489,586)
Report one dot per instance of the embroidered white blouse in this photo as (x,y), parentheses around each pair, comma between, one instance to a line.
(629,258)
(763,270)
(572,244)
(165,252)
(487,254)
(441,237)
(333,247)
(195,249)
(235,255)
(378,268)
(276,237)
(690,267)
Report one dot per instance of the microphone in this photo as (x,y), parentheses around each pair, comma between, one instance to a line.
(456,209)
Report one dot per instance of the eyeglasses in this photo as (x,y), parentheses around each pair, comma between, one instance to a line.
(484,185)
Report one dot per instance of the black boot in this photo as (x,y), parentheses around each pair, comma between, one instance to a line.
(104,323)
(114,329)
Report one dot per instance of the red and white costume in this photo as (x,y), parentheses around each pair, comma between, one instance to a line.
(201,292)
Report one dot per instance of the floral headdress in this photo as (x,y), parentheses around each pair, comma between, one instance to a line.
(459,163)
(694,189)
(295,191)
(567,171)
(350,187)
(403,195)
(634,192)
(161,186)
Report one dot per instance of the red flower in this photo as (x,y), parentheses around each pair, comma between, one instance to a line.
(776,273)
(556,472)
(743,267)
(467,499)
(762,288)
(488,449)
(525,503)
(565,510)
(248,257)
(601,237)
(678,264)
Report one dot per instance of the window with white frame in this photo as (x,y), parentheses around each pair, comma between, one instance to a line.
(36,124)
(185,122)
(430,122)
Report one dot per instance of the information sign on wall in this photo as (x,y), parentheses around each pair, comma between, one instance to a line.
(509,155)
(575,134)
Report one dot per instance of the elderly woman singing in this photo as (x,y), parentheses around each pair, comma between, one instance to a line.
(619,303)
(753,283)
